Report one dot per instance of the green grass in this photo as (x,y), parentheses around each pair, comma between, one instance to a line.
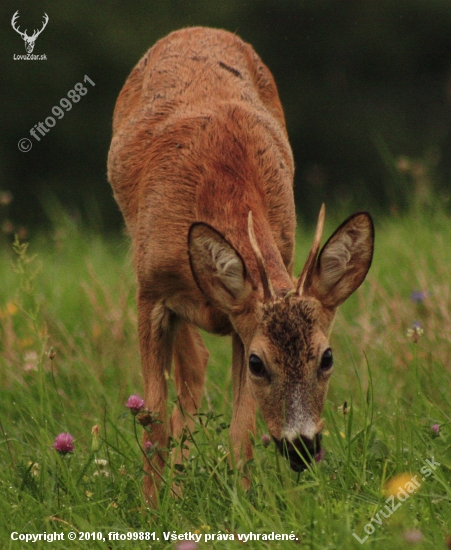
(69,360)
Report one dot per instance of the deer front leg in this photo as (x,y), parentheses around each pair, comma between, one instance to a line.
(155,328)
(243,420)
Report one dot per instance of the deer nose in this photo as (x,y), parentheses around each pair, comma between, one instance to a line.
(300,451)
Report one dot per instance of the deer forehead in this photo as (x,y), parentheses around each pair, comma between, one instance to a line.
(292,325)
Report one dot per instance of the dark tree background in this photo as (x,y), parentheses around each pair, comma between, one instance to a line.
(362,83)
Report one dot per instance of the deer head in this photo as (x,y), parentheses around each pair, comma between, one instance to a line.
(29,40)
(285,332)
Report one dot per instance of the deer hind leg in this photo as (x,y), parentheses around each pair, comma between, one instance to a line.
(190,362)
(243,420)
(156,329)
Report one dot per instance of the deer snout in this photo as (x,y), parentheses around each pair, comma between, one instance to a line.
(300,451)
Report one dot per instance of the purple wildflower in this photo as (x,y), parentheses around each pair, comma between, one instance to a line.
(187,545)
(413,536)
(320,455)
(435,428)
(64,443)
(418,296)
(135,404)
(266,440)
(148,446)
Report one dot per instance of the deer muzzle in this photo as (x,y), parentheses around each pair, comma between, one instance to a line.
(301,451)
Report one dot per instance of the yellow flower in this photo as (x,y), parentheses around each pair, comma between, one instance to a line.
(11,308)
(405,481)
(25,342)
(8,311)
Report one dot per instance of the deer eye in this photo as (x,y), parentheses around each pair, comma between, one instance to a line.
(256,366)
(327,360)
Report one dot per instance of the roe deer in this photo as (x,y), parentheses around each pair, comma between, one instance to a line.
(202,171)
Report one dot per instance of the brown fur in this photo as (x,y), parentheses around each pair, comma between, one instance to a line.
(199,141)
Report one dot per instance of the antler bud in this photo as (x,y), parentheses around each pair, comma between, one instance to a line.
(305,276)
(268,289)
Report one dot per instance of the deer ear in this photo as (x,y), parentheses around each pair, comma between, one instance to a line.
(217,267)
(344,261)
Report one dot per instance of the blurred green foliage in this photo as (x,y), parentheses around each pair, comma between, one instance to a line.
(362,82)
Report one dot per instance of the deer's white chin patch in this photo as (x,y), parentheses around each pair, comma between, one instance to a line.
(308,430)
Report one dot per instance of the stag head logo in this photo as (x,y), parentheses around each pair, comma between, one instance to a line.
(29,40)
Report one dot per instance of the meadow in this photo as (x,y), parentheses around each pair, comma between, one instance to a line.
(70,360)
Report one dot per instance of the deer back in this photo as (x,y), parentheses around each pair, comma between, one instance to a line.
(199,136)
